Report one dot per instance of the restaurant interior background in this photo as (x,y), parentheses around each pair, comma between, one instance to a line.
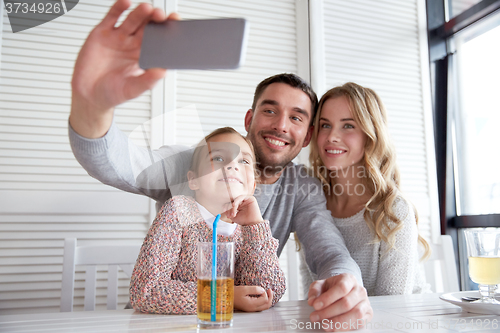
(439,99)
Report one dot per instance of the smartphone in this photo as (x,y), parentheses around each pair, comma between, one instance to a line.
(194,44)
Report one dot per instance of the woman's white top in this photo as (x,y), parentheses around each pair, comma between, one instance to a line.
(385,271)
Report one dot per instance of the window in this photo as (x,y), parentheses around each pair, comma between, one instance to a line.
(457,7)
(478,116)
(464,55)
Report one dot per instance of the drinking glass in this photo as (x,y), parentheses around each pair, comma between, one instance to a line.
(224,285)
(483,250)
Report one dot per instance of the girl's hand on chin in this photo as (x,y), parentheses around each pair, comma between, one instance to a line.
(244,210)
(223,217)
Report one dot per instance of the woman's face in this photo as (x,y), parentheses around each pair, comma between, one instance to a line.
(226,170)
(340,139)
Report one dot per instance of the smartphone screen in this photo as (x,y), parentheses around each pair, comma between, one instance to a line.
(194,44)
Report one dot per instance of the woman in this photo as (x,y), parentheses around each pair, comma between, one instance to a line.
(353,156)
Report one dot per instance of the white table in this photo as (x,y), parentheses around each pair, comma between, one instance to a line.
(412,313)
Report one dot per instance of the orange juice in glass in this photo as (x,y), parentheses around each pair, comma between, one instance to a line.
(483,250)
(224,286)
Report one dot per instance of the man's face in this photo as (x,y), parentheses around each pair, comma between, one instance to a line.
(279,125)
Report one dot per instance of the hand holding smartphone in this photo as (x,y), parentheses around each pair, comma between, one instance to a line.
(194,44)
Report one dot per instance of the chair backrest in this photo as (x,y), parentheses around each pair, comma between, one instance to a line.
(441,269)
(123,256)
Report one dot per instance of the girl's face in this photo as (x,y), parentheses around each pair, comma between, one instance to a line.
(340,139)
(226,170)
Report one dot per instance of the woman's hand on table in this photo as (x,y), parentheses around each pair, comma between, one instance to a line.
(339,299)
(252,298)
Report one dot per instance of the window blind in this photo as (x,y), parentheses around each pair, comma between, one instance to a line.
(45,194)
(378,44)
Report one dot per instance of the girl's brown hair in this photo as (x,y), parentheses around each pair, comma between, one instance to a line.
(202,145)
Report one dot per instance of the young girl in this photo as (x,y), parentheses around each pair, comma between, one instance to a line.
(223,178)
(352,155)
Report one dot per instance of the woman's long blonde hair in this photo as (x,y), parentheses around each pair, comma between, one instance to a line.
(382,174)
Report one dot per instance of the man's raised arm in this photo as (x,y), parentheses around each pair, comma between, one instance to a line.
(107,74)
(107,71)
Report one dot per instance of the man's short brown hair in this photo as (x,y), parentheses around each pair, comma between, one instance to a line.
(293,81)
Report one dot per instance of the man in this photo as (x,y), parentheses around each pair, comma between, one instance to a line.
(107,74)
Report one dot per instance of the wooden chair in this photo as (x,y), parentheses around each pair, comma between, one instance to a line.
(123,256)
(441,269)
